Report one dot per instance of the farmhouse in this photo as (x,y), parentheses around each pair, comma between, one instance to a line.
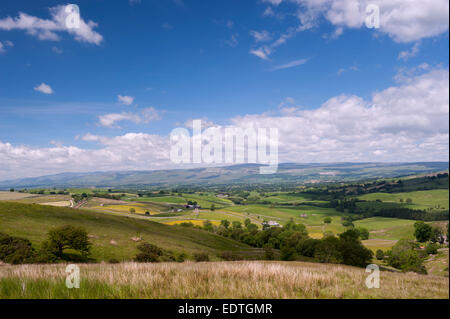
(272,223)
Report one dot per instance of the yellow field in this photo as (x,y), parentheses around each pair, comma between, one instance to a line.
(193,221)
(13,195)
(139,208)
(64,203)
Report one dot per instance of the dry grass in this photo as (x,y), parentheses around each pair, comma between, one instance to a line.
(215,280)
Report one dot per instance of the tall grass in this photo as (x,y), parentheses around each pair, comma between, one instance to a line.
(240,279)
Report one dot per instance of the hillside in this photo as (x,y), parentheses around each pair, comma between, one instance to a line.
(241,174)
(255,279)
(112,235)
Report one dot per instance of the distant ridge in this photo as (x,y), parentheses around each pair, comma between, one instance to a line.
(243,173)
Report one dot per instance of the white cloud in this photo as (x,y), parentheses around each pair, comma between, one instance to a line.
(407,122)
(233,42)
(145,116)
(261,36)
(4,45)
(403,21)
(48,29)
(126,100)
(262,53)
(57,50)
(273,2)
(44,88)
(290,64)
(405,55)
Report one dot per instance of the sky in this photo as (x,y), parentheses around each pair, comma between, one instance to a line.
(107,94)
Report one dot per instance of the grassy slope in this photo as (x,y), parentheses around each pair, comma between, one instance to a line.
(111,235)
(420,199)
(215,280)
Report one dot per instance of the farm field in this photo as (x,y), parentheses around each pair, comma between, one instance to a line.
(13,195)
(436,199)
(112,236)
(294,280)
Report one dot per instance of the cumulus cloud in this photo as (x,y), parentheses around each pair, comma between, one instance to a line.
(402,123)
(49,29)
(44,88)
(145,116)
(126,100)
(403,21)
(407,122)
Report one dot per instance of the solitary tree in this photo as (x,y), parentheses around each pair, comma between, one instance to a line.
(422,231)
(327,220)
(68,237)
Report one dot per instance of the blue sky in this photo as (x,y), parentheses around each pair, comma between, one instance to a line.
(186,59)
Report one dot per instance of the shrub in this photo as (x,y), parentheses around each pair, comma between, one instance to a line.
(327,220)
(15,250)
(148,253)
(431,249)
(201,257)
(268,252)
(181,257)
(379,254)
(229,256)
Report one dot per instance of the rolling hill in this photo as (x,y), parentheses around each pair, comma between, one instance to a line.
(243,174)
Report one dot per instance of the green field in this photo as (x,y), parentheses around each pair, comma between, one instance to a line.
(435,199)
(111,235)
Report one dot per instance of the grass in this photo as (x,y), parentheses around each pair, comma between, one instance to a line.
(436,199)
(387,228)
(215,280)
(13,195)
(111,235)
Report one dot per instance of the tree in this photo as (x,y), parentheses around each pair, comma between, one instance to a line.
(422,231)
(379,254)
(148,253)
(268,252)
(409,201)
(68,237)
(16,250)
(11,190)
(213,207)
(327,250)
(352,251)
(327,220)
(405,257)
(437,236)
(363,233)
(225,223)
(132,210)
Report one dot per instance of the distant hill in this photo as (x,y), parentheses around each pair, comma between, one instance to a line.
(245,173)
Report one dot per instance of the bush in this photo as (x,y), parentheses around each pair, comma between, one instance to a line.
(405,257)
(15,250)
(201,257)
(327,220)
(181,258)
(379,254)
(363,233)
(268,252)
(229,256)
(148,253)
(308,247)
